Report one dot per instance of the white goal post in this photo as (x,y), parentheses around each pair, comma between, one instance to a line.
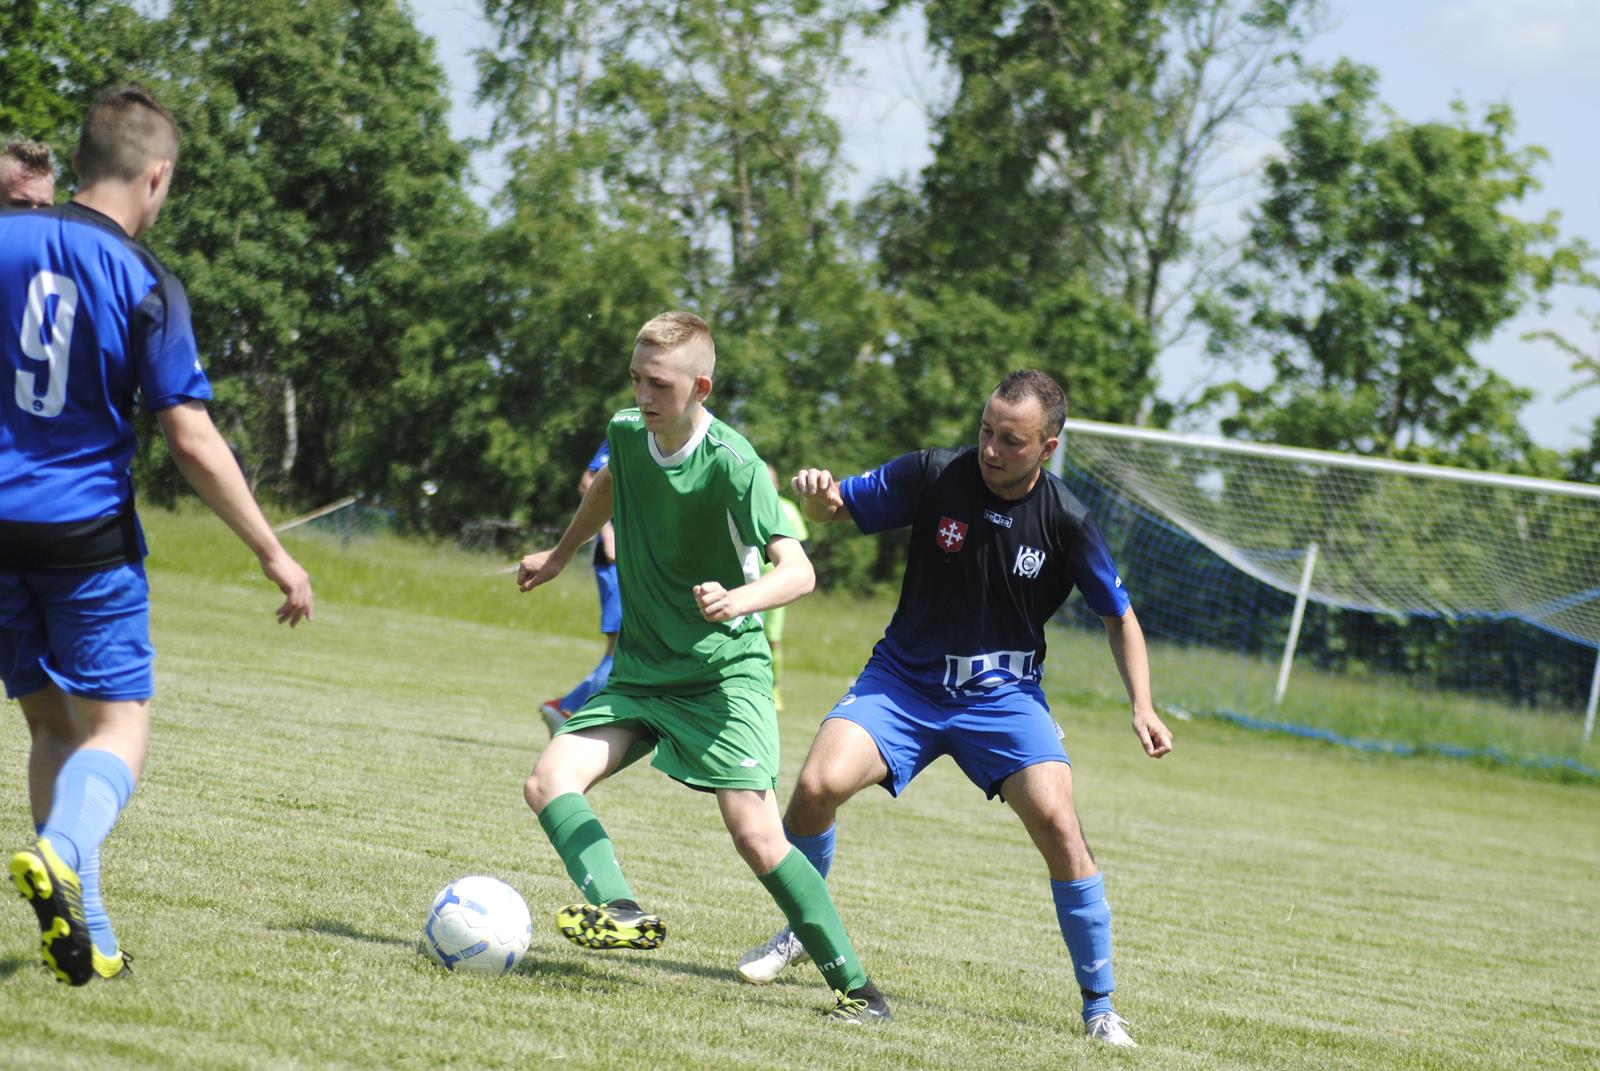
(1367,534)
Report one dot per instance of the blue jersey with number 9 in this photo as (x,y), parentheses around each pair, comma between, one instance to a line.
(88,318)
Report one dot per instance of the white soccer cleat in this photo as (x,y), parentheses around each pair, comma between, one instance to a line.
(762,965)
(1108,1027)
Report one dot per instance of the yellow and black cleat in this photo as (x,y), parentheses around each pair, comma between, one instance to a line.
(619,924)
(56,895)
(112,968)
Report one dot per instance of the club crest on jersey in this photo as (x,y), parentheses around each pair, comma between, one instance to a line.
(1029,561)
(950,535)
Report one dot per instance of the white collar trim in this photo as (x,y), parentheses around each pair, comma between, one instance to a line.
(680,455)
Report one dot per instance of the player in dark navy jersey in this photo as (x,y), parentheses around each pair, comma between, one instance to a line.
(89,321)
(997,545)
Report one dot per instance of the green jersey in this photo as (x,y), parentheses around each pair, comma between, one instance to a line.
(705,512)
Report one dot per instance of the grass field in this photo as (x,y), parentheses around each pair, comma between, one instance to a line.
(1277,904)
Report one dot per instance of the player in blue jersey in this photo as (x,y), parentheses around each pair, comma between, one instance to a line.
(27,175)
(997,544)
(556,711)
(94,321)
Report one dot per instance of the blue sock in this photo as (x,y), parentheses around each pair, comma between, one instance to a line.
(91,790)
(1085,920)
(591,684)
(818,849)
(94,912)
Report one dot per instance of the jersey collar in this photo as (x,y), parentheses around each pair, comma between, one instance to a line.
(680,455)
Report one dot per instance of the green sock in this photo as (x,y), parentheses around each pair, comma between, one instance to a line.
(803,897)
(581,842)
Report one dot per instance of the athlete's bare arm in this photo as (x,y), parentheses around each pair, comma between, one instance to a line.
(1133,662)
(791,578)
(209,466)
(593,512)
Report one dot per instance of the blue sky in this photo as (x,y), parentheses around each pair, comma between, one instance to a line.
(1538,55)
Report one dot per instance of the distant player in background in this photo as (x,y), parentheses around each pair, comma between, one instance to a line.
(27,175)
(695,512)
(94,320)
(774,619)
(557,711)
(997,544)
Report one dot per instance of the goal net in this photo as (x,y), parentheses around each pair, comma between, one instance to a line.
(1400,605)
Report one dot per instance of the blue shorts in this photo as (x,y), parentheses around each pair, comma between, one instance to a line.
(605,578)
(87,632)
(991,737)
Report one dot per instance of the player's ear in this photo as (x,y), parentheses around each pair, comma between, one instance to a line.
(1050,445)
(702,388)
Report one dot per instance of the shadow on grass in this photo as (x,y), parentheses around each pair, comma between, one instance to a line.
(335,928)
(10,965)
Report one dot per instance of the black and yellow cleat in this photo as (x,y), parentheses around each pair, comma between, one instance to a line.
(56,895)
(112,968)
(618,924)
(861,1005)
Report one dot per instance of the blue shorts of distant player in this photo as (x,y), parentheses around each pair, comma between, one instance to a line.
(89,632)
(991,736)
(605,578)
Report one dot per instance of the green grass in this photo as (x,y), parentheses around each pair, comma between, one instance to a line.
(1277,905)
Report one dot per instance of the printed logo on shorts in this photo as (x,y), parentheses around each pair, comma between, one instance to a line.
(747,763)
(950,535)
(1029,561)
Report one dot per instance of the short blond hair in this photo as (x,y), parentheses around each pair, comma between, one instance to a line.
(32,157)
(675,330)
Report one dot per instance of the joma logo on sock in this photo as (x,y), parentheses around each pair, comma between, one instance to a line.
(834,963)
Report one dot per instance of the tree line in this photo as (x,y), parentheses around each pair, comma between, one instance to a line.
(371,328)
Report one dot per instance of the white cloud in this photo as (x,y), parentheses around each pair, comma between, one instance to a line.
(1523,37)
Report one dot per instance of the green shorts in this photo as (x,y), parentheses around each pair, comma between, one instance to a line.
(727,738)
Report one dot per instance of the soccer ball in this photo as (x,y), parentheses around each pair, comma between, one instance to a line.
(478,925)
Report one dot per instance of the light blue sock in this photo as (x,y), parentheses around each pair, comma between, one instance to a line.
(91,790)
(591,684)
(818,849)
(1085,920)
(94,912)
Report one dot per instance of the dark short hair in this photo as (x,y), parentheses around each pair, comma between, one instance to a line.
(125,129)
(34,156)
(1031,383)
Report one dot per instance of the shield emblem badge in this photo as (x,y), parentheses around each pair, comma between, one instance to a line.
(950,535)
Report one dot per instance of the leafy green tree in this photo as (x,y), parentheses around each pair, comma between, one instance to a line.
(56,54)
(678,154)
(1382,252)
(320,224)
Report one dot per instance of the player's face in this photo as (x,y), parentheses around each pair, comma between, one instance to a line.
(666,390)
(1012,445)
(20,190)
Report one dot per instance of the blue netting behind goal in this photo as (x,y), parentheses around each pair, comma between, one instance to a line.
(1490,685)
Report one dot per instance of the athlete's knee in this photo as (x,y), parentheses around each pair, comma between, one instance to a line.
(538,789)
(762,848)
(819,790)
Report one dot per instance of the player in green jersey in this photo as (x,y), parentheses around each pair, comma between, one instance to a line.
(692,678)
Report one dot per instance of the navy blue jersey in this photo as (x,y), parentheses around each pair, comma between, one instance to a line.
(88,319)
(602,456)
(983,574)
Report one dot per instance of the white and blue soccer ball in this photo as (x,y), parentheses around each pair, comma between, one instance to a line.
(477,925)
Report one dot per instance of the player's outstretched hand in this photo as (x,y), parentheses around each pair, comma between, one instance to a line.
(295,584)
(1152,733)
(819,493)
(716,601)
(536,569)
